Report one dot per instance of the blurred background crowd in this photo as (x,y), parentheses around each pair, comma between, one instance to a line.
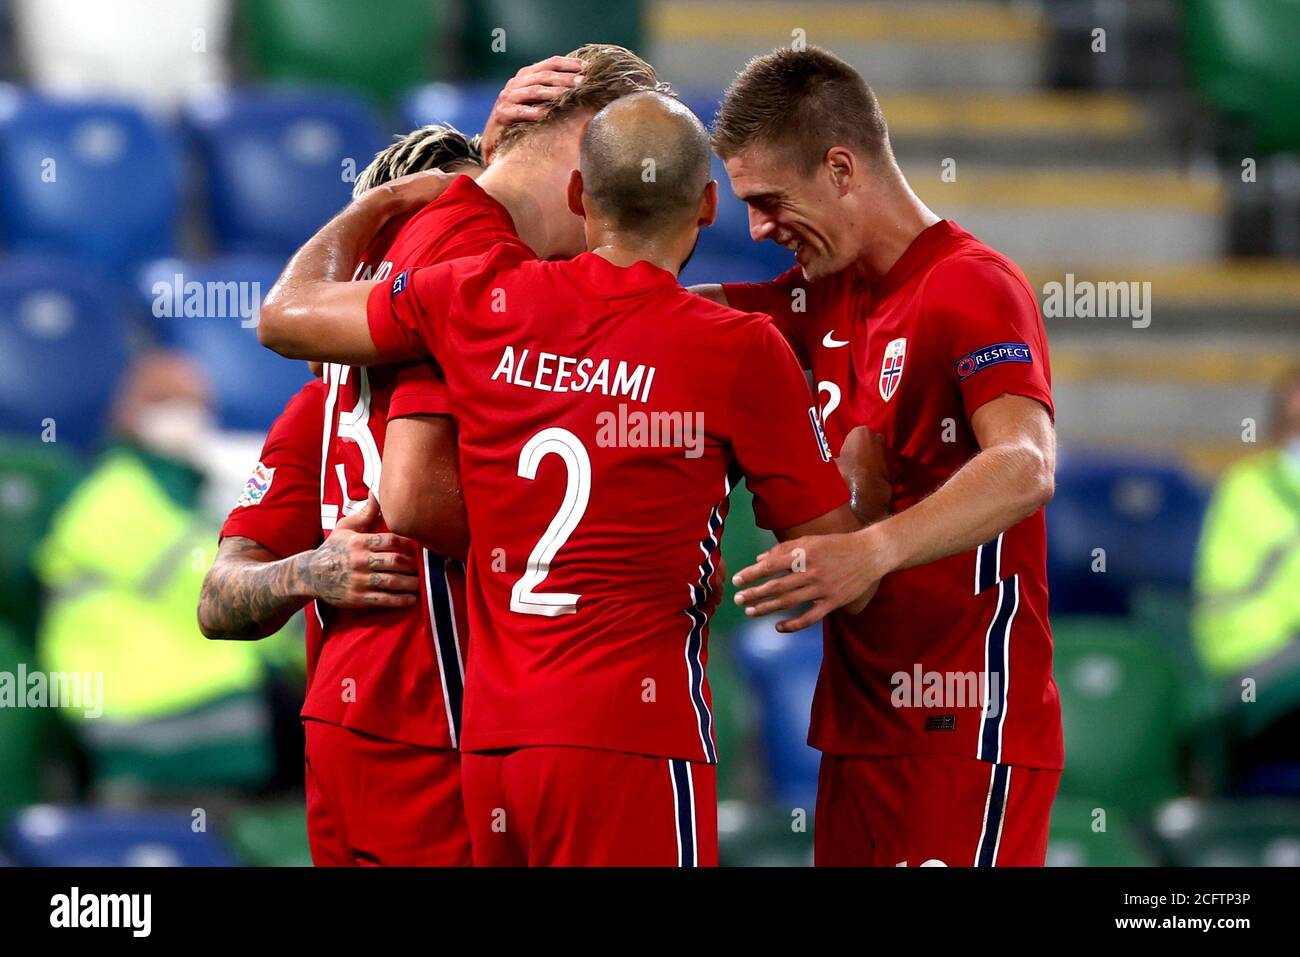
(160,160)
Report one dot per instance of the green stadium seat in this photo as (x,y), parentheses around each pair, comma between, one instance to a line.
(34,477)
(1163,618)
(728,700)
(1230,833)
(755,835)
(270,835)
(1242,57)
(22,734)
(381,48)
(534,31)
(179,753)
(1122,706)
(742,540)
(1166,617)
(1080,837)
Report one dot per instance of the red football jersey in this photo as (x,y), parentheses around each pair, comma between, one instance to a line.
(604,414)
(397,673)
(952,325)
(279,505)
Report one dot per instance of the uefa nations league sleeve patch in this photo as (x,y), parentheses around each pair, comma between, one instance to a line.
(820,434)
(258,484)
(995,354)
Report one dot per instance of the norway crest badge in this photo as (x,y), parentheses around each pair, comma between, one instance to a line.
(891,369)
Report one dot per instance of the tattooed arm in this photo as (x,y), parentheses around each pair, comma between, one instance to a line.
(249,593)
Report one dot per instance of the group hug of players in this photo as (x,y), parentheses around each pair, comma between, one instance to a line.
(508,618)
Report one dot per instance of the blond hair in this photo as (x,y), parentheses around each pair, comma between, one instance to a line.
(437,146)
(612,71)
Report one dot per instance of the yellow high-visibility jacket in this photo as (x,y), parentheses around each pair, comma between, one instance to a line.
(1248,566)
(124,564)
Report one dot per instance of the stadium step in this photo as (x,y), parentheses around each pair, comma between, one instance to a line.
(1059,215)
(1182,396)
(984,45)
(1204,366)
(1000,113)
(1262,294)
(1033,128)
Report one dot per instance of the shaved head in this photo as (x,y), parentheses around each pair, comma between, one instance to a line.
(645,163)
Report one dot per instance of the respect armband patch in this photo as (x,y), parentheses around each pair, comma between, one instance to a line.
(995,354)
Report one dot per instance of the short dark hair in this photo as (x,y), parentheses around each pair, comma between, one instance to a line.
(645,162)
(801,102)
(611,71)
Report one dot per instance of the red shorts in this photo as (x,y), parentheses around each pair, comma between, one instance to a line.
(580,807)
(373,802)
(932,809)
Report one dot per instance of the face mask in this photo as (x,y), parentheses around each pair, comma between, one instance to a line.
(177,430)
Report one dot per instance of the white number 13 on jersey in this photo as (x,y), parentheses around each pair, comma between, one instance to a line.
(524,598)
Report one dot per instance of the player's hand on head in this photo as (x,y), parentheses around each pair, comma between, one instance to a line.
(862,464)
(825,571)
(359,566)
(527,95)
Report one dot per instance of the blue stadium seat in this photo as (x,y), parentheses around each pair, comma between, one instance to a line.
(1145,514)
(63,343)
(213,318)
(279,163)
(93,179)
(709,267)
(465,106)
(702,102)
(47,836)
(782,670)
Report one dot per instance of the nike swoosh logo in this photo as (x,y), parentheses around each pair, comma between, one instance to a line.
(830,342)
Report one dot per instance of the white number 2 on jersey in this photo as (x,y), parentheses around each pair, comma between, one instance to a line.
(524,598)
(832,398)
